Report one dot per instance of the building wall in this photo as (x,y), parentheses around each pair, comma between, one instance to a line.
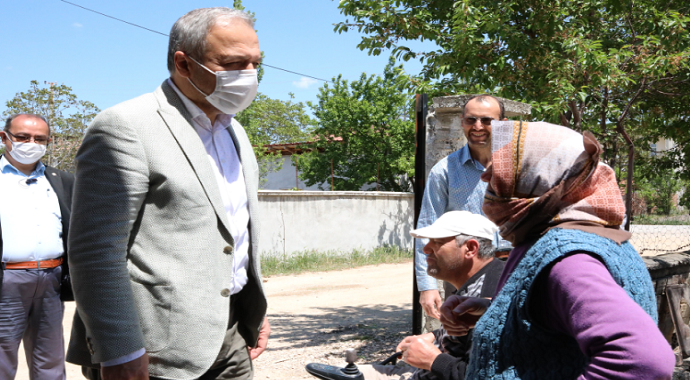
(294,221)
(286,178)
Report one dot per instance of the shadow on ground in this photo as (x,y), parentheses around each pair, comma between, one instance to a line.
(374,329)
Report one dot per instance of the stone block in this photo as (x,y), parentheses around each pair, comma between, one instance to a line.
(455,104)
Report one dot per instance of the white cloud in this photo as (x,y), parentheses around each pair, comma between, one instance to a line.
(304,82)
(77,25)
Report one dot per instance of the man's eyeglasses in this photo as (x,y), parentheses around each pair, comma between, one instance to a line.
(473,120)
(25,139)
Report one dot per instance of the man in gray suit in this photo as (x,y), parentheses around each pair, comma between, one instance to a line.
(163,241)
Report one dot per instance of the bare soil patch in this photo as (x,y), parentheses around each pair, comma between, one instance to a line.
(316,316)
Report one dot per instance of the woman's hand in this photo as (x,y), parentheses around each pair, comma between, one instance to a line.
(459,314)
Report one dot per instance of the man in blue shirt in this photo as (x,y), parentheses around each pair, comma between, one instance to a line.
(454,184)
(34,221)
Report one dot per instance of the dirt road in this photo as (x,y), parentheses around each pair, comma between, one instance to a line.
(316,316)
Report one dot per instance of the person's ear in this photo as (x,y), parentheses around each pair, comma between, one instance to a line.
(472,248)
(182,65)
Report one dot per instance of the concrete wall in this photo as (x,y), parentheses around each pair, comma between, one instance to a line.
(293,221)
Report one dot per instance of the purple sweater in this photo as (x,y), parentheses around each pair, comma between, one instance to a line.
(578,297)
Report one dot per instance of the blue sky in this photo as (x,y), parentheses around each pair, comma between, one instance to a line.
(107,62)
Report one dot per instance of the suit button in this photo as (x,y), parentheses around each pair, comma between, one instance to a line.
(88,345)
(225,292)
(227,250)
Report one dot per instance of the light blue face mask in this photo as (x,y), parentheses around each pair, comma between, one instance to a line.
(235,90)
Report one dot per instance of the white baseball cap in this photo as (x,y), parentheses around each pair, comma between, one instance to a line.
(454,223)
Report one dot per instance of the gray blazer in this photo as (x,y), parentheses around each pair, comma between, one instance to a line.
(150,249)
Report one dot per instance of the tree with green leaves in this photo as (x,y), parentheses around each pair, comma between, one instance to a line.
(273,121)
(659,182)
(67,115)
(586,64)
(237,4)
(365,134)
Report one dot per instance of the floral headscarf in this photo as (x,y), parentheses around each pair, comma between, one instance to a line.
(546,175)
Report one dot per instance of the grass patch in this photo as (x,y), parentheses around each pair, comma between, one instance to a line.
(668,220)
(318,261)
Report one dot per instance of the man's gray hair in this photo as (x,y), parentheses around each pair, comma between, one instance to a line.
(189,32)
(486,247)
(9,120)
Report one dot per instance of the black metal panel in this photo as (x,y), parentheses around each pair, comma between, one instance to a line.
(419,184)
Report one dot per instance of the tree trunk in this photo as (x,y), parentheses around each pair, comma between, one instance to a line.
(631,155)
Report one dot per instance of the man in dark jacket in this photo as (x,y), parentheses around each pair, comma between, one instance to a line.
(34,220)
(460,252)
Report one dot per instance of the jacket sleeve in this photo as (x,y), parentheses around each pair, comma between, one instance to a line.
(447,367)
(110,187)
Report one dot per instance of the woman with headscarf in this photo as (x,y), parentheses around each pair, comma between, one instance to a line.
(575,300)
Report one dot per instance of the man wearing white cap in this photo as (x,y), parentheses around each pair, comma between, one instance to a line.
(459,251)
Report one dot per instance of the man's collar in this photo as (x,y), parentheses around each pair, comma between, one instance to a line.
(6,166)
(465,156)
(194,110)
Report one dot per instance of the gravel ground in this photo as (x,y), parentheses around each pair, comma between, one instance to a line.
(323,314)
(315,317)
(373,343)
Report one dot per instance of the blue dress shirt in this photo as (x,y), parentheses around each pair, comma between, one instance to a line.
(30,215)
(453,185)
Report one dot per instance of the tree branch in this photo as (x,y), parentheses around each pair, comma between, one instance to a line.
(564,120)
(577,119)
(631,153)
(630,103)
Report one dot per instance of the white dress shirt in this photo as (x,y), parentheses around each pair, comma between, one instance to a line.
(29,214)
(227,168)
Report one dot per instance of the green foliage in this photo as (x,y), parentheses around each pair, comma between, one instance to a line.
(364,133)
(237,4)
(317,261)
(677,220)
(599,65)
(67,115)
(658,189)
(273,121)
(659,185)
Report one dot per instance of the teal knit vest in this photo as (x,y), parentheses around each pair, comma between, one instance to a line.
(506,345)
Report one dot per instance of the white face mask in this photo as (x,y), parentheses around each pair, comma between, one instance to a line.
(27,153)
(235,90)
